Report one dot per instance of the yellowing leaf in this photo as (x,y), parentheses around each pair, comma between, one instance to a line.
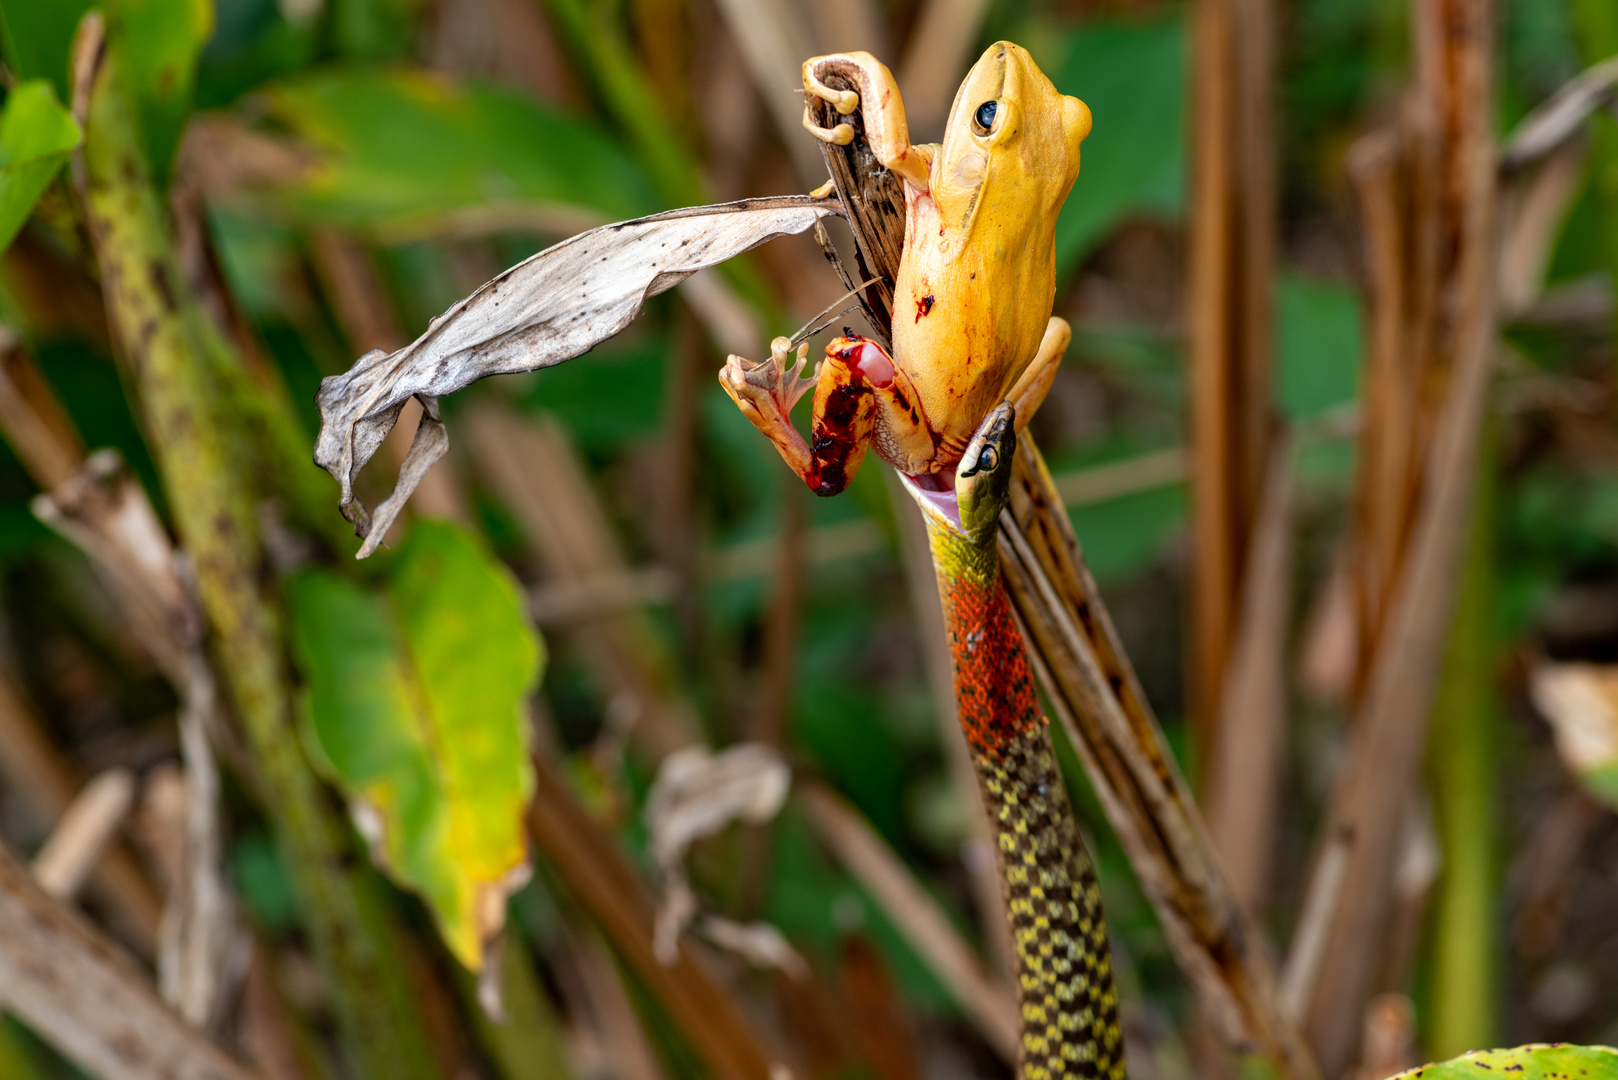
(1581,703)
(36,136)
(1536,1061)
(415,696)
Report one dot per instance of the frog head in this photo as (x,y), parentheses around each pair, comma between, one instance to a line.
(1011,146)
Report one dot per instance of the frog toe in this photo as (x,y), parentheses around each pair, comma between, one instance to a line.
(844,101)
(841,135)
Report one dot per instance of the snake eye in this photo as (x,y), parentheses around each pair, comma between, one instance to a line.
(983,119)
(988,460)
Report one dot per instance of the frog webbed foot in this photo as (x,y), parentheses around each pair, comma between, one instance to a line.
(768,388)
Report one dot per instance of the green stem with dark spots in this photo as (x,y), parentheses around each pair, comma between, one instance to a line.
(173,357)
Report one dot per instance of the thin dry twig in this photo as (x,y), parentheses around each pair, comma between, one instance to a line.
(98,506)
(81,836)
(1561,116)
(990,1005)
(46,783)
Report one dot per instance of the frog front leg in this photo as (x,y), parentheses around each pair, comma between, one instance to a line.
(861,398)
(883,111)
(1028,392)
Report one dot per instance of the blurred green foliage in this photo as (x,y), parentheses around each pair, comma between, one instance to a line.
(1132,75)
(405,148)
(421,165)
(36,136)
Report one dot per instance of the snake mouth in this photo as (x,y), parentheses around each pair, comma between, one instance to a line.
(941,504)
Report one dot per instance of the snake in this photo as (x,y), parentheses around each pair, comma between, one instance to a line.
(1066,996)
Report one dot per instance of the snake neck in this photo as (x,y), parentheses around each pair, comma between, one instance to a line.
(1065,994)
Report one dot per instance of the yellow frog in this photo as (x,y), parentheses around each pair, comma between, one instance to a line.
(972,323)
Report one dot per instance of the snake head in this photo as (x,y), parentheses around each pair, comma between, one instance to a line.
(983,478)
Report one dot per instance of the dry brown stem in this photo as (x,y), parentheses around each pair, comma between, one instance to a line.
(990,1005)
(1076,654)
(1231,258)
(1429,200)
(1244,775)
(79,993)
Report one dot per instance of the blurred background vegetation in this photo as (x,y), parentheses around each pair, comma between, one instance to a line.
(324,176)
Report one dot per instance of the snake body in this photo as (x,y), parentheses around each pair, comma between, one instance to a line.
(1065,992)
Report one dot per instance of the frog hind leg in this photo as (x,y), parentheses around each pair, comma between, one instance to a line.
(900,431)
(1028,392)
(860,397)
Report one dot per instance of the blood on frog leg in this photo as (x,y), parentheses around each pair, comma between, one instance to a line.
(845,411)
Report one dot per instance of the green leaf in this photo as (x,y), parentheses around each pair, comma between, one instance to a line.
(1132,75)
(373,29)
(1532,1062)
(37,35)
(1318,346)
(36,136)
(402,148)
(415,696)
(164,42)
(1125,535)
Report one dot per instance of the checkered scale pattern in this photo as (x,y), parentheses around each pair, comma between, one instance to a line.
(1065,987)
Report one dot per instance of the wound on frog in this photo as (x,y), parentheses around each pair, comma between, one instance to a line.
(924,306)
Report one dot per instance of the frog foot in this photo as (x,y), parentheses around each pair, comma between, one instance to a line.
(768,389)
(844,101)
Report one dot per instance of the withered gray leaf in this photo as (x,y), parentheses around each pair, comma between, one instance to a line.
(552,307)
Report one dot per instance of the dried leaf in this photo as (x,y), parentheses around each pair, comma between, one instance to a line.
(554,306)
(1581,702)
(416,702)
(698,793)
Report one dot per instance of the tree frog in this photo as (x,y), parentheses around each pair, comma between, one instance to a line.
(972,323)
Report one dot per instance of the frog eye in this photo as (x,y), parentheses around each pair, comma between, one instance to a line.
(983,119)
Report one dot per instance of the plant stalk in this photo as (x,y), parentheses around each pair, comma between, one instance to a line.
(172,357)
